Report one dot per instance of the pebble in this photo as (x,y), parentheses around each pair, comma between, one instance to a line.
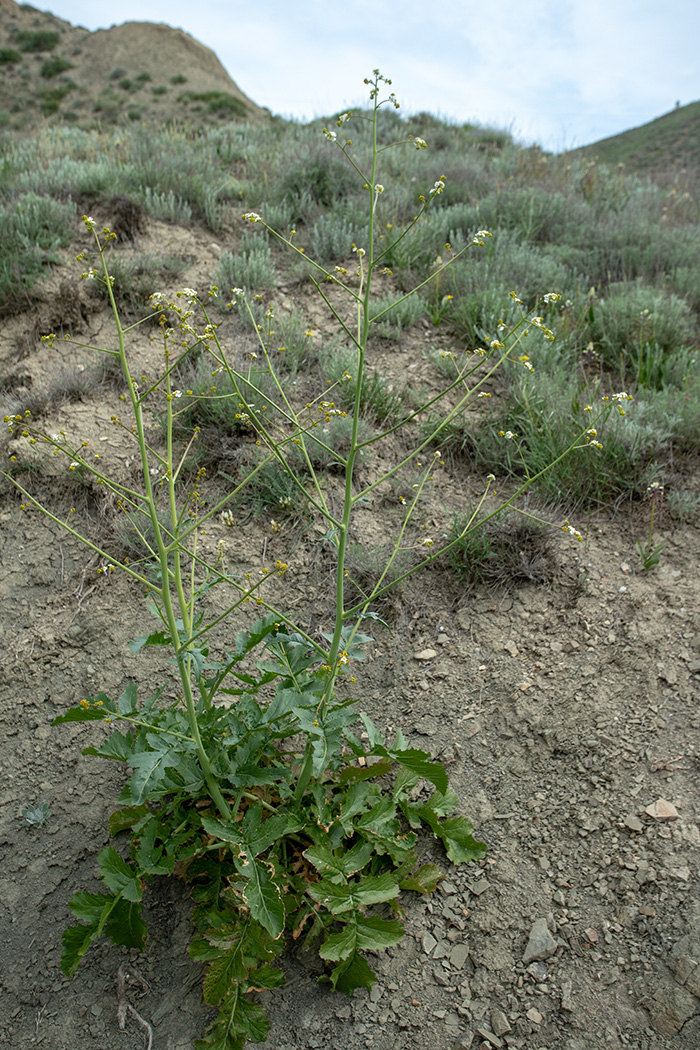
(459,956)
(499,1023)
(662,810)
(541,944)
(428,942)
(534,1015)
(566,1001)
(425,654)
(490,1037)
(479,887)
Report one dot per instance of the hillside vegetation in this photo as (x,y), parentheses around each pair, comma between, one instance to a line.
(666,144)
(621,250)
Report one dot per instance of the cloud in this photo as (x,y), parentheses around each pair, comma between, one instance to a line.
(563,73)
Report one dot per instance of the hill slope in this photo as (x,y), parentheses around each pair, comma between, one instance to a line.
(52,71)
(669,141)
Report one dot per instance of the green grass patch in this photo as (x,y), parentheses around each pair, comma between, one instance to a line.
(35,40)
(9,56)
(53,66)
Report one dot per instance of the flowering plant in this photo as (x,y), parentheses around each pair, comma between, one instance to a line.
(264,785)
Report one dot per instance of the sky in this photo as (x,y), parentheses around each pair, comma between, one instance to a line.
(560,73)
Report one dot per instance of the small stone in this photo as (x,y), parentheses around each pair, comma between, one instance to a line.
(499,1023)
(428,943)
(534,1015)
(480,887)
(464,1041)
(680,873)
(662,810)
(566,1001)
(633,823)
(425,654)
(541,944)
(459,956)
(442,950)
(591,935)
(490,1037)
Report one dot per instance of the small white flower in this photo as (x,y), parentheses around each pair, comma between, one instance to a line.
(552,297)
(379,188)
(330,135)
(251,216)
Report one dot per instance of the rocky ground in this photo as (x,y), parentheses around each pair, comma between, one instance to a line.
(565,711)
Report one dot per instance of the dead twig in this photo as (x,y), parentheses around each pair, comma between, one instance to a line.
(124,1007)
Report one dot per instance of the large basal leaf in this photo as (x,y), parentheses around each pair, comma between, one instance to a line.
(151,857)
(355,895)
(423,880)
(262,895)
(370,934)
(76,941)
(352,973)
(253,834)
(124,819)
(461,847)
(358,798)
(119,876)
(352,774)
(125,926)
(239,1021)
(120,920)
(89,907)
(375,933)
(381,821)
(420,763)
(225,972)
(341,865)
(340,945)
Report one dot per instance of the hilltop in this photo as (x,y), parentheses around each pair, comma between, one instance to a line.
(57,73)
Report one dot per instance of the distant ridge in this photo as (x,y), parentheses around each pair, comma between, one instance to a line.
(54,72)
(671,141)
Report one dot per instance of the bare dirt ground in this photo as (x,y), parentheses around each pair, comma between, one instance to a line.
(567,715)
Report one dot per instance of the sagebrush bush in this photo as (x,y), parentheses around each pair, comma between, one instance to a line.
(250,268)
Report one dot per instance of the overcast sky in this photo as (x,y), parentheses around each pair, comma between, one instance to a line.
(562,73)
